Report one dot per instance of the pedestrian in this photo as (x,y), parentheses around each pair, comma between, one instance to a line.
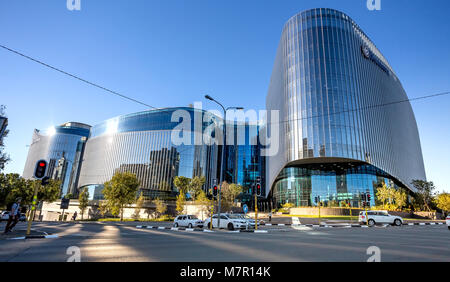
(14,215)
(74,217)
(270,216)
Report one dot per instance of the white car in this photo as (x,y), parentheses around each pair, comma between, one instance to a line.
(4,216)
(374,217)
(249,219)
(229,221)
(447,220)
(186,220)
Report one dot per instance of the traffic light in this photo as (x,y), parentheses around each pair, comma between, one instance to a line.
(258,189)
(368,197)
(45,181)
(41,169)
(363,197)
(215,191)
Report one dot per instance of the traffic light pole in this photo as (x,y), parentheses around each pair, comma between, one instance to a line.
(256,211)
(33,207)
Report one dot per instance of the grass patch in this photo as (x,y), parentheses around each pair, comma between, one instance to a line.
(338,217)
(164,218)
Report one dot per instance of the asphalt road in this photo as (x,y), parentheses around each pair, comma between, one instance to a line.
(124,242)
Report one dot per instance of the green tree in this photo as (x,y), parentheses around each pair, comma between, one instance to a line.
(120,191)
(83,200)
(204,203)
(425,194)
(195,186)
(382,194)
(161,207)
(229,193)
(443,202)
(181,201)
(4,157)
(400,198)
(139,204)
(182,183)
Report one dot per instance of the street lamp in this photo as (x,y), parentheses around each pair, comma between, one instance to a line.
(223,149)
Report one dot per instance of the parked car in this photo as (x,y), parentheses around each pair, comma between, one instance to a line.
(374,217)
(4,216)
(229,221)
(249,219)
(447,220)
(187,221)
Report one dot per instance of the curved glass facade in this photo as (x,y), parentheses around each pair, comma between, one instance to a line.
(337,97)
(62,146)
(142,143)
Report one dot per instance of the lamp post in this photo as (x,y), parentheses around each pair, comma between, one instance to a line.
(223,150)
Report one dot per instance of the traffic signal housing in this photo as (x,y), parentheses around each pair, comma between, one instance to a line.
(215,191)
(258,189)
(41,169)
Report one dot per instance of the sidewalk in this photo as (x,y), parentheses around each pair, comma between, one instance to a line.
(21,233)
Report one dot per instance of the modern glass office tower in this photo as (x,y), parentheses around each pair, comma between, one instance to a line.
(244,162)
(343,130)
(62,147)
(143,143)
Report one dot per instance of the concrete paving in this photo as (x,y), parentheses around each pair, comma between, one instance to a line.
(124,242)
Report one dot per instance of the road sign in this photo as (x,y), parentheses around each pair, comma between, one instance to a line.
(245,208)
(64,204)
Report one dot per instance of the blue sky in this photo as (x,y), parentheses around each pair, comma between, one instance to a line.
(170,53)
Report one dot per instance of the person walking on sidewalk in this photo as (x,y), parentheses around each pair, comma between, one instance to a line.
(14,215)
(270,216)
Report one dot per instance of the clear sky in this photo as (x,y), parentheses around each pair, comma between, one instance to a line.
(170,53)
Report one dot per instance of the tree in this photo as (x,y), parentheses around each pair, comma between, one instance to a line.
(139,203)
(229,193)
(120,191)
(4,158)
(400,198)
(83,200)
(424,195)
(195,186)
(382,194)
(181,201)
(182,183)
(204,203)
(443,202)
(161,207)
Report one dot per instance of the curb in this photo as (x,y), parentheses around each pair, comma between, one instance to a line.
(424,223)
(34,237)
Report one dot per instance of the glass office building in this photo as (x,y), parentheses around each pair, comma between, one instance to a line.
(243,161)
(62,147)
(343,128)
(142,143)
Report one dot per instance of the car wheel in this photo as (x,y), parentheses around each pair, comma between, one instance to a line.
(176,224)
(190,225)
(397,222)
(230,226)
(371,222)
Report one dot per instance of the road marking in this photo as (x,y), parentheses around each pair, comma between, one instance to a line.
(295,220)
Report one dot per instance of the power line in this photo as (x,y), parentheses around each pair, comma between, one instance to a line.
(366,107)
(76,77)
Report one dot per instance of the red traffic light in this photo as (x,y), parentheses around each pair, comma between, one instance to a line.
(41,169)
